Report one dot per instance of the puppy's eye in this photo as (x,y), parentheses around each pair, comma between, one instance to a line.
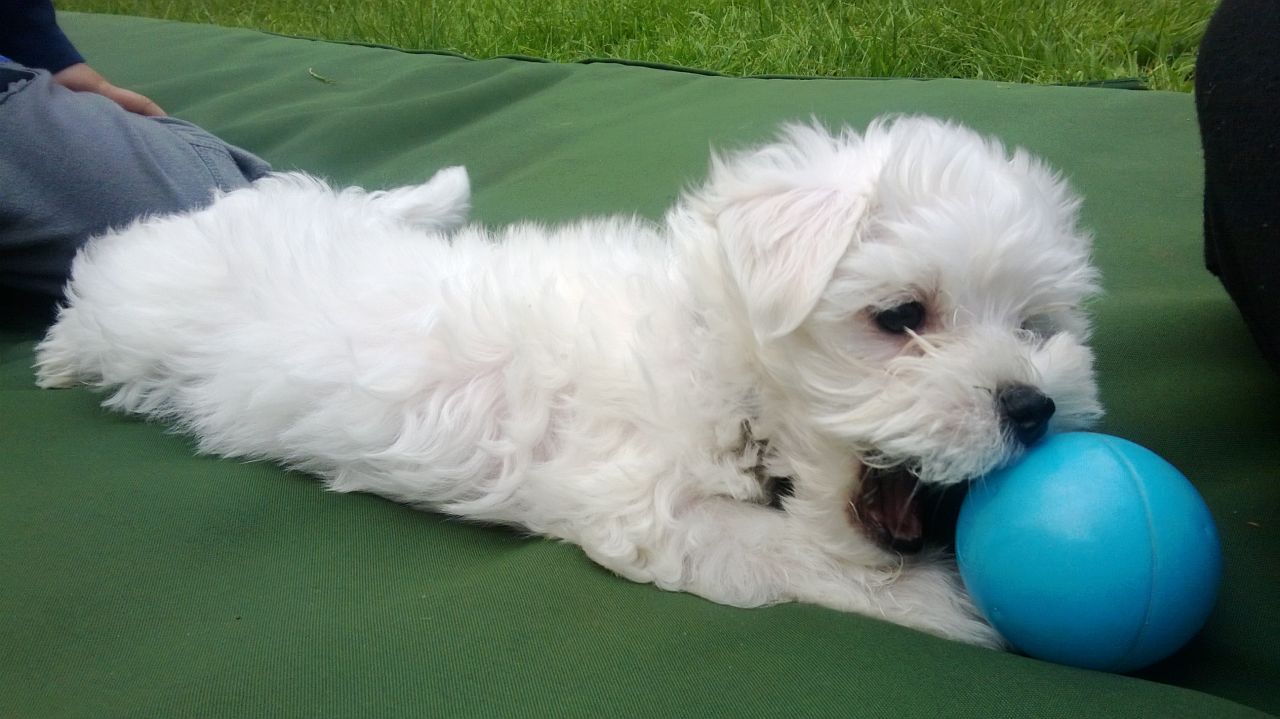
(1040,326)
(897,320)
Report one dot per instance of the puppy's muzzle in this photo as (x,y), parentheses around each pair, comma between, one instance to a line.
(1026,411)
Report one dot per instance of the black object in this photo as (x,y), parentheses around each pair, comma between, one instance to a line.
(1026,411)
(1237,92)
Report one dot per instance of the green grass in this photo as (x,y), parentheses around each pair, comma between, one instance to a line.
(1038,41)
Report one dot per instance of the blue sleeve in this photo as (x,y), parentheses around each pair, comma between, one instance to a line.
(29,34)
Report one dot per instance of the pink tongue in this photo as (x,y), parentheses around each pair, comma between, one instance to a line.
(889,509)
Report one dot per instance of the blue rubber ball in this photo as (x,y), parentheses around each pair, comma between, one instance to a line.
(1090,551)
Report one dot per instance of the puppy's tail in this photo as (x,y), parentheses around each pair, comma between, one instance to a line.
(440,204)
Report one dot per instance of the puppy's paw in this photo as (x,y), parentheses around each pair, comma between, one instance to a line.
(55,370)
(972,629)
(929,596)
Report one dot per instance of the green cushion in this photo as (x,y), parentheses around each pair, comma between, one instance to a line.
(137,580)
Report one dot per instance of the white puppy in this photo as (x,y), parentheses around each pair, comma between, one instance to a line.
(848,312)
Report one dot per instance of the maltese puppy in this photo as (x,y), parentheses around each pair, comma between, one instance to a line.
(740,401)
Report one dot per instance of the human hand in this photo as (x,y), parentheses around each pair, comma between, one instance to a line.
(82,78)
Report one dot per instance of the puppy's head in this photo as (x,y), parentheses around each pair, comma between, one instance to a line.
(911,297)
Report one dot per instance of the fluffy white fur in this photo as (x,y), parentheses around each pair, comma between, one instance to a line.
(597,382)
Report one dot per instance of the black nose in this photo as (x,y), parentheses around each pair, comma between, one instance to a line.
(1026,410)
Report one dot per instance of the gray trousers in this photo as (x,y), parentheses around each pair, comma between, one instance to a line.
(73,164)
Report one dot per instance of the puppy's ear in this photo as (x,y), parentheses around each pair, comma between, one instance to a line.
(782,249)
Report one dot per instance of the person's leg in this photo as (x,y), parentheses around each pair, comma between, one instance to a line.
(1238,103)
(75,164)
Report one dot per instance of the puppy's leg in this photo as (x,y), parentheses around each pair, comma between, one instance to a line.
(440,204)
(58,356)
(747,555)
(142,297)
(123,312)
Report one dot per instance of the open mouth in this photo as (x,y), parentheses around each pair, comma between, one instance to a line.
(900,514)
(888,508)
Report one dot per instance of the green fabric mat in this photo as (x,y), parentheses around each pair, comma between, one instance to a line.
(139,581)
